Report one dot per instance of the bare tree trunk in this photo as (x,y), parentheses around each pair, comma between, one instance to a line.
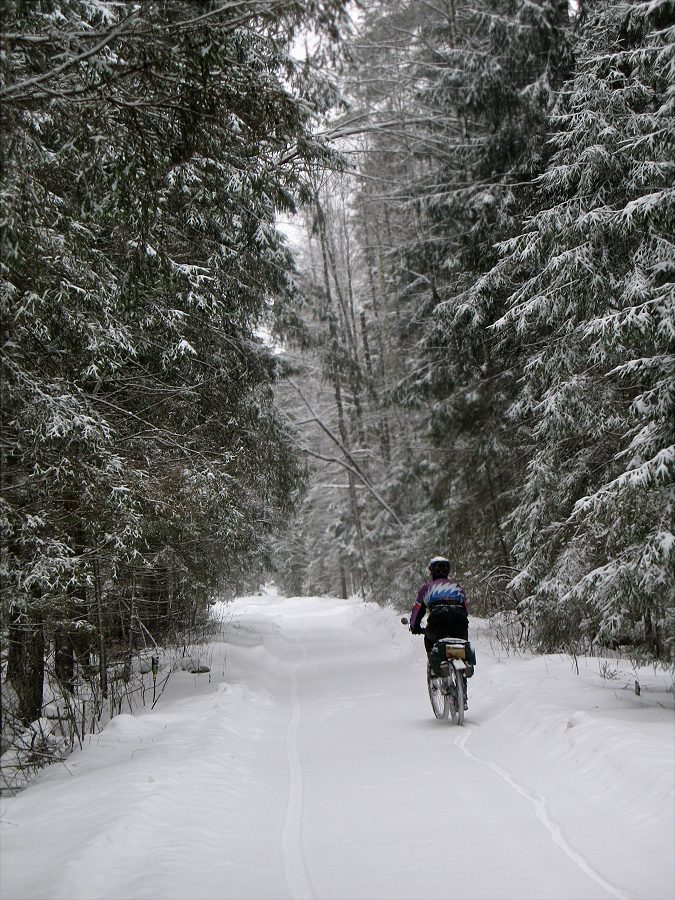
(383,425)
(130,637)
(64,658)
(102,650)
(67,639)
(328,252)
(345,314)
(496,517)
(26,664)
(343,580)
(366,347)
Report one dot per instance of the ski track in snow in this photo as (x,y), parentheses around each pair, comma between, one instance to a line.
(539,803)
(295,864)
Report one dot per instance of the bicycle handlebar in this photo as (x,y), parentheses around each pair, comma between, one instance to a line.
(406,621)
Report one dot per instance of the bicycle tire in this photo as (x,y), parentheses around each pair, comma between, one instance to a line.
(457,697)
(440,700)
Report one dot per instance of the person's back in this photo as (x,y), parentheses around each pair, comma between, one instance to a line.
(444,602)
(443,590)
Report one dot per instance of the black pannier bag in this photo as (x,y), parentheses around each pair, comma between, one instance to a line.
(438,663)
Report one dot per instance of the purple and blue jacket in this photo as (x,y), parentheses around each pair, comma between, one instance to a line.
(439,592)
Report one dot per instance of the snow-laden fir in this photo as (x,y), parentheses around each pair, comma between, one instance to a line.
(308,765)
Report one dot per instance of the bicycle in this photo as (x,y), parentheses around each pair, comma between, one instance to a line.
(447,671)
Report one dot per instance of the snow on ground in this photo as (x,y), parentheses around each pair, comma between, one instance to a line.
(308,764)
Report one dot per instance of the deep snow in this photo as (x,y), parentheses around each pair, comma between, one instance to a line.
(308,765)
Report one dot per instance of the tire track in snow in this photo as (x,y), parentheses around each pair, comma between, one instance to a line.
(295,864)
(539,803)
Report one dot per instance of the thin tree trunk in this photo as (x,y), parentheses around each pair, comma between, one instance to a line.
(102,650)
(343,580)
(64,658)
(366,346)
(26,665)
(130,638)
(495,513)
(67,638)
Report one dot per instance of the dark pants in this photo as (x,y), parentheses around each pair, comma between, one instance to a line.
(446,621)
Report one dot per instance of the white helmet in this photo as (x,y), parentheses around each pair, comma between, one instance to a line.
(439,567)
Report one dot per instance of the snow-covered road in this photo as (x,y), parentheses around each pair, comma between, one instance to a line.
(308,765)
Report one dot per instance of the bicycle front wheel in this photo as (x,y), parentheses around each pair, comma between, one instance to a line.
(457,697)
(440,701)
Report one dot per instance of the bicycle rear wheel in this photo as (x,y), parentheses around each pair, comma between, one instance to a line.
(440,701)
(456,700)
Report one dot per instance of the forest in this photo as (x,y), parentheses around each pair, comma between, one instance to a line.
(307,292)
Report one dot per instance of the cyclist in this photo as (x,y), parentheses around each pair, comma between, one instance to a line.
(444,602)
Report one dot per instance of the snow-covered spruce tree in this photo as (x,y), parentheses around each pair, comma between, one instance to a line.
(452,100)
(592,305)
(459,140)
(146,151)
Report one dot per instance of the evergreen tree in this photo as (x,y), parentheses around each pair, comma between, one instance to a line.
(146,153)
(591,305)
(453,101)
(461,137)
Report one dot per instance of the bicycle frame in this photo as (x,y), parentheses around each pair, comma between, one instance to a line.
(447,690)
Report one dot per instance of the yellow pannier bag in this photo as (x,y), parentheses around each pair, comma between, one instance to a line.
(455,651)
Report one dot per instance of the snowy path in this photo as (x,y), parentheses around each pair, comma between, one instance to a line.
(310,768)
